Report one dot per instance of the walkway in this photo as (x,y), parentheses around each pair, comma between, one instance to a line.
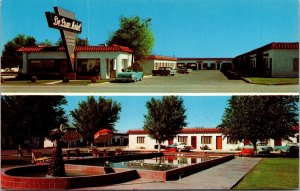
(223,176)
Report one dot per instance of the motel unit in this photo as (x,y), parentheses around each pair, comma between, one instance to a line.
(277,59)
(204,63)
(197,138)
(102,62)
(153,62)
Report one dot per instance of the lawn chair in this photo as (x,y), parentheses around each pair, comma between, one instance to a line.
(37,157)
(118,152)
(95,153)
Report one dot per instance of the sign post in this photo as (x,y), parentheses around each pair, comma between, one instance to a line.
(65,21)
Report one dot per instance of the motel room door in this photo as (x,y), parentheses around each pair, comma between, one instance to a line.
(219,142)
(194,142)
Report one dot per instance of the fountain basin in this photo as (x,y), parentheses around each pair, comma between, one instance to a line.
(31,177)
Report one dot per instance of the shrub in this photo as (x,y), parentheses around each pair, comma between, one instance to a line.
(33,79)
(66,80)
(93,79)
(204,147)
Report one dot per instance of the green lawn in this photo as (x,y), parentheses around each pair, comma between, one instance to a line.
(274,81)
(272,173)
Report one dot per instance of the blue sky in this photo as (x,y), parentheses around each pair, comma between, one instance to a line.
(182,28)
(201,111)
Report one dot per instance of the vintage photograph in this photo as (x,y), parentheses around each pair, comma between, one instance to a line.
(149,95)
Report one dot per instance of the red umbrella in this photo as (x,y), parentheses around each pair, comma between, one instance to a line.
(103,135)
(71,136)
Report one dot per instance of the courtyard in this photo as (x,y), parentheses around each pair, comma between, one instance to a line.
(203,81)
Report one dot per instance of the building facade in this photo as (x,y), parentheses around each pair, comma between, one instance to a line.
(90,61)
(198,138)
(204,63)
(153,62)
(277,59)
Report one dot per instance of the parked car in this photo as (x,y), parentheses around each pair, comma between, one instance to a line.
(183,70)
(286,148)
(129,75)
(164,71)
(181,146)
(260,147)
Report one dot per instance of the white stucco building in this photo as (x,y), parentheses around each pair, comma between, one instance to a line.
(196,137)
(277,59)
(153,62)
(90,61)
(204,63)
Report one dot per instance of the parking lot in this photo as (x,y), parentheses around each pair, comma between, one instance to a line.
(208,81)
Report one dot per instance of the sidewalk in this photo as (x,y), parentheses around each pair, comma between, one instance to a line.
(223,176)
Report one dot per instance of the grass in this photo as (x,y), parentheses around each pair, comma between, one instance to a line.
(272,173)
(273,81)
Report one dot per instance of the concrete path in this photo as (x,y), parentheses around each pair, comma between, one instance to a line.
(223,176)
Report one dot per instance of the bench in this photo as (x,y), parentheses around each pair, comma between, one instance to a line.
(37,157)
(76,152)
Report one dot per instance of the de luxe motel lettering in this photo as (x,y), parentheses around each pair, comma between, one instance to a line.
(60,22)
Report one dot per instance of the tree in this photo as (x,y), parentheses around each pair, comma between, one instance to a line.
(260,118)
(10,57)
(45,43)
(91,116)
(165,118)
(136,34)
(27,117)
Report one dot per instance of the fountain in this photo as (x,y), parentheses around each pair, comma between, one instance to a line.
(56,167)
(79,173)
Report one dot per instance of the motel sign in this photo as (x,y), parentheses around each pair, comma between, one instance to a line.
(65,21)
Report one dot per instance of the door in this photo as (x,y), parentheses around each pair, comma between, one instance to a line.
(219,142)
(194,142)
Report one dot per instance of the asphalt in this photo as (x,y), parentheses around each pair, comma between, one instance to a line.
(223,176)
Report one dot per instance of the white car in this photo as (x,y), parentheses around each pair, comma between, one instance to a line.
(181,146)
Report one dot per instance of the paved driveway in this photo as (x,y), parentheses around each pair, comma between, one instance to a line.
(209,81)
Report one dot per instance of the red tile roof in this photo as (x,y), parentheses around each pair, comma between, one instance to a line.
(156,57)
(113,48)
(274,45)
(184,131)
(204,59)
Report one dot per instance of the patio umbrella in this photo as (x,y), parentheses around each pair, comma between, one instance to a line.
(71,136)
(103,135)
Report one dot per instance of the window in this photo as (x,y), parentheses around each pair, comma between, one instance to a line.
(45,66)
(182,139)
(296,64)
(88,66)
(206,140)
(140,140)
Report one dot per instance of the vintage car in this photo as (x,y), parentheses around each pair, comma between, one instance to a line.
(129,75)
(181,146)
(260,147)
(285,148)
(164,71)
(183,70)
